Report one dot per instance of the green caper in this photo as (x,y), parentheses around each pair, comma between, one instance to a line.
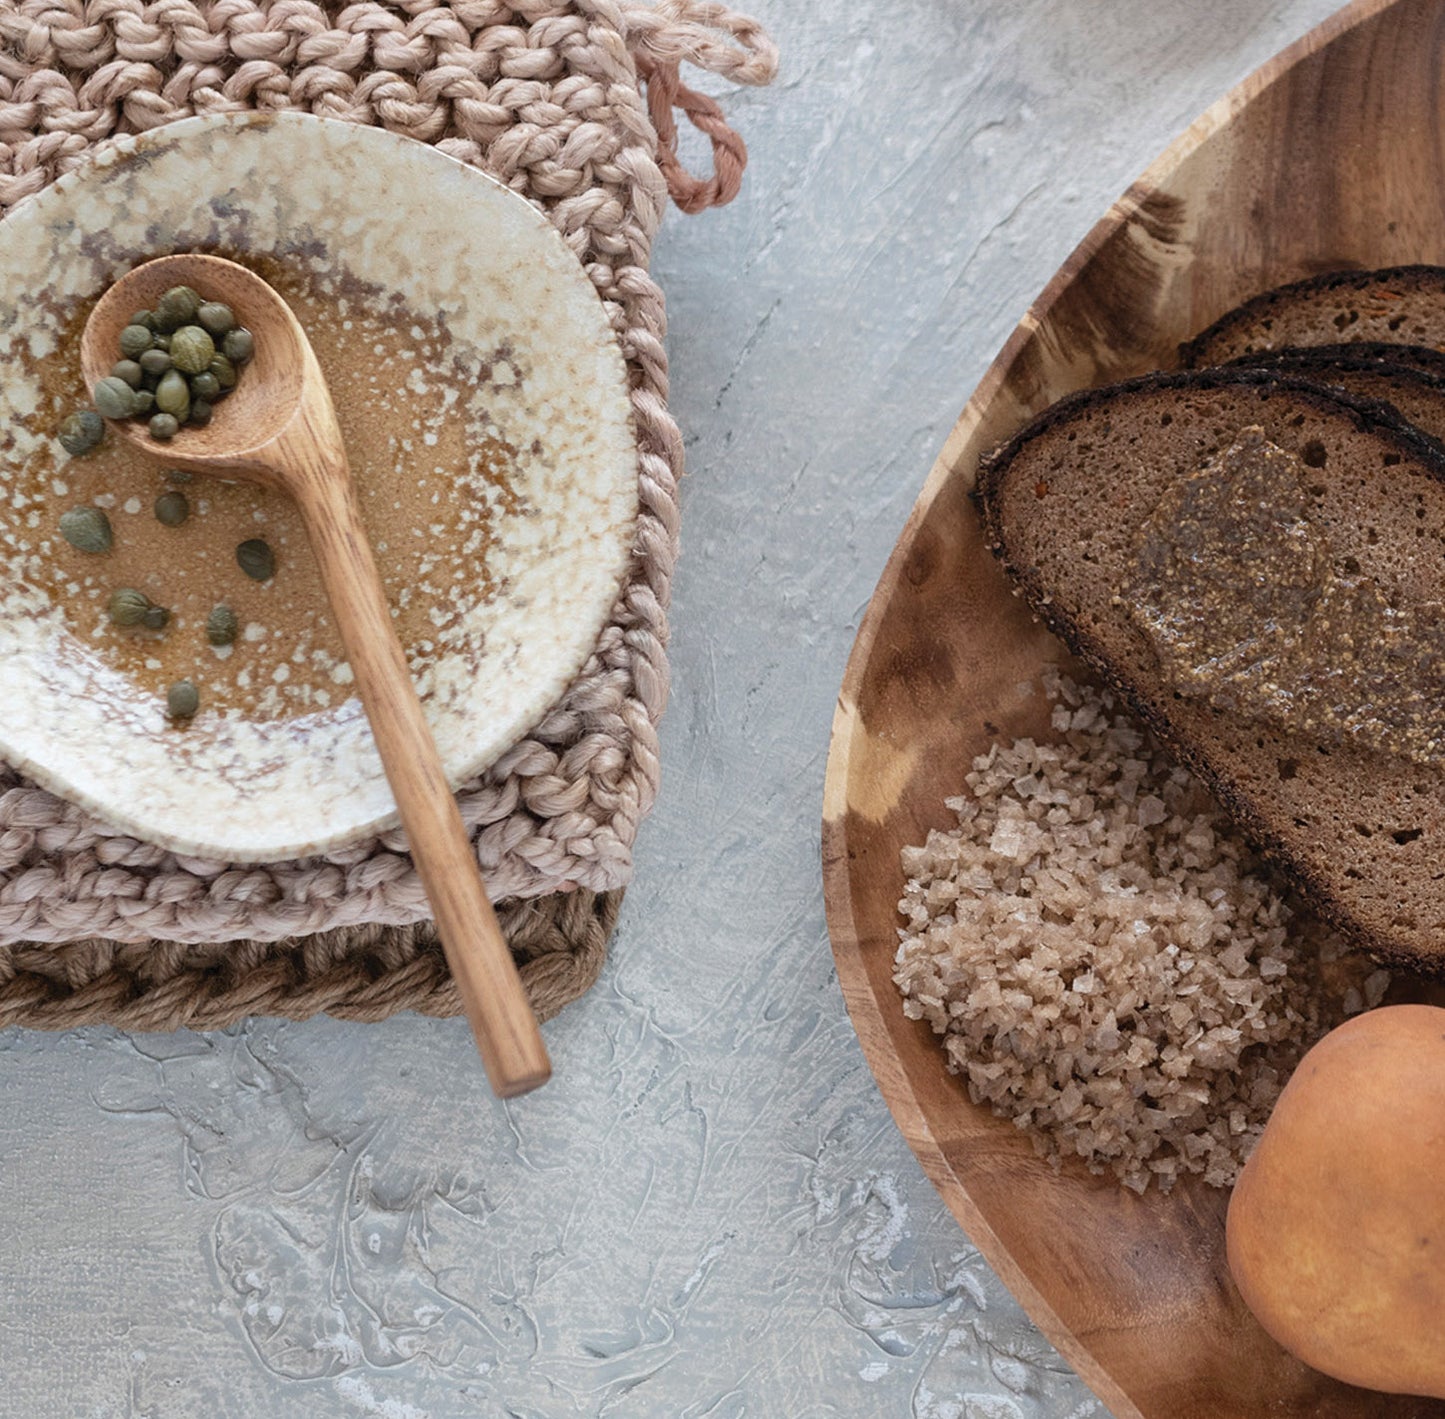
(216,318)
(172,368)
(157,618)
(179,475)
(176,308)
(238,345)
(224,371)
(192,349)
(81,431)
(114,398)
(256,559)
(128,606)
(173,394)
(182,700)
(87,529)
(135,340)
(172,509)
(222,627)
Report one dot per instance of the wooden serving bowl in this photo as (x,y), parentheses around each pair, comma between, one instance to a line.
(1332,155)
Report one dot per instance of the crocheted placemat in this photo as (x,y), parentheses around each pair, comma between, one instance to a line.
(571,104)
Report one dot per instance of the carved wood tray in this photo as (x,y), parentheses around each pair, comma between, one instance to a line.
(1332,155)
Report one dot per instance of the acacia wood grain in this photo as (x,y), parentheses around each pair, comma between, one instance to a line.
(1330,156)
(278,427)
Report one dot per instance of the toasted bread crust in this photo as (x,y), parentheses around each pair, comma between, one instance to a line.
(1309,304)
(1363,355)
(1369,413)
(1376,420)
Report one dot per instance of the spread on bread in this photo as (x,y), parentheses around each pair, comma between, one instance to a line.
(1235,584)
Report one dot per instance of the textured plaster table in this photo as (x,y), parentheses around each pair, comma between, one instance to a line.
(709,1211)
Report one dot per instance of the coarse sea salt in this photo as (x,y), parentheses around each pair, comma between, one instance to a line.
(1108,964)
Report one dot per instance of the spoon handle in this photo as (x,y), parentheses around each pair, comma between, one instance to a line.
(481,962)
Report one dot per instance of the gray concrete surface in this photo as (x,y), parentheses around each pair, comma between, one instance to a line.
(709,1212)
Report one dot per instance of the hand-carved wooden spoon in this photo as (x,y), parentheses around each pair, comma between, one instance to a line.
(278,428)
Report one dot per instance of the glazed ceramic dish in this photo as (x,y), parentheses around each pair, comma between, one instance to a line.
(484,404)
(1329,157)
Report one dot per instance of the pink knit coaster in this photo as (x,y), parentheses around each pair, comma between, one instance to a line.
(550,99)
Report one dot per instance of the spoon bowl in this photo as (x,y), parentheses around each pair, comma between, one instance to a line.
(265,400)
(278,427)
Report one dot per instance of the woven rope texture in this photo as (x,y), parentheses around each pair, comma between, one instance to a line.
(360,973)
(549,98)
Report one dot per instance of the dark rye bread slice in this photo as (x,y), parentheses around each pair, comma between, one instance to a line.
(1361,832)
(1415,393)
(1367,354)
(1402,305)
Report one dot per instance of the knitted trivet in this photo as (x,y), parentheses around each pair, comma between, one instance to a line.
(547,97)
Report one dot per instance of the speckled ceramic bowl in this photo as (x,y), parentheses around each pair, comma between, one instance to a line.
(484,403)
